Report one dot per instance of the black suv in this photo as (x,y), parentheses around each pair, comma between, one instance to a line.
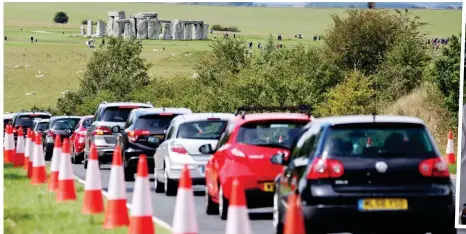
(25,120)
(142,134)
(61,125)
(370,174)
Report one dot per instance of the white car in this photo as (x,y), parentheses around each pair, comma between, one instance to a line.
(184,136)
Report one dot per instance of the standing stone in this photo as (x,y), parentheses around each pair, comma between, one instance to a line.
(194,30)
(205,32)
(89,28)
(83,30)
(116,28)
(153,29)
(141,29)
(188,31)
(117,14)
(100,29)
(110,26)
(177,28)
(127,32)
(133,25)
(167,32)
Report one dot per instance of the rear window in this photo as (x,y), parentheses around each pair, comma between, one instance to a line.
(202,130)
(28,120)
(41,125)
(154,122)
(63,124)
(270,133)
(379,140)
(7,121)
(116,114)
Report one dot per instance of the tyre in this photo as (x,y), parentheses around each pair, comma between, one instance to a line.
(47,154)
(211,208)
(85,159)
(222,205)
(171,186)
(77,158)
(445,229)
(129,174)
(159,186)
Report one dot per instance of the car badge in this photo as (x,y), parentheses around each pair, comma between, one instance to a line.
(381,167)
(68,131)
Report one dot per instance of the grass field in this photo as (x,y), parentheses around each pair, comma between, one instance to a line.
(32,209)
(60,57)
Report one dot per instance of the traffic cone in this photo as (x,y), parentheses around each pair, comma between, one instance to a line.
(32,148)
(39,173)
(369,142)
(184,220)
(55,167)
(66,190)
(294,222)
(116,214)
(238,215)
(28,149)
(141,212)
(18,161)
(450,152)
(93,201)
(9,145)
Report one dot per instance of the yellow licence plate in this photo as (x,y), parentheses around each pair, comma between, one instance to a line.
(268,187)
(383,204)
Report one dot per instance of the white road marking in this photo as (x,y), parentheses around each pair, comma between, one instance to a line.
(159,222)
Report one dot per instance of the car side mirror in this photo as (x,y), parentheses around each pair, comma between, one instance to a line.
(206,149)
(116,129)
(40,130)
(278,159)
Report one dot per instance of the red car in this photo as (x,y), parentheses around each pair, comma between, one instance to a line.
(244,151)
(77,139)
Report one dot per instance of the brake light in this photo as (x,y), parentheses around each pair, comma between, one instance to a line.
(178,149)
(128,107)
(238,153)
(133,135)
(325,168)
(434,167)
(102,130)
(51,134)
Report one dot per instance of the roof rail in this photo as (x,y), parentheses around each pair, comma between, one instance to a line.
(244,109)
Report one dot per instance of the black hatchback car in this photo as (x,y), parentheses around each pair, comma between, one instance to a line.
(25,120)
(369,174)
(142,134)
(61,125)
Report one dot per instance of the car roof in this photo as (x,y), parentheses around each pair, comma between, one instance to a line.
(354,119)
(113,104)
(8,115)
(87,117)
(203,116)
(42,120)
(33,113)
(158,110)
(65,117)
(273,116)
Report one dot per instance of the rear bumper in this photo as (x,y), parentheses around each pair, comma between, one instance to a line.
(256,198)
(132,157)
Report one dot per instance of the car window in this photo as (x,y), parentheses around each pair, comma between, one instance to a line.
(154,122)
(41,125)
(201,130)
(63,124)
(270,133)
(28,120)
(7,121)
(378,140)
(87,123)
(117,114)
(225,136)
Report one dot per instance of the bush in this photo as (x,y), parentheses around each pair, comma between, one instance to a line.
(60,18)
(218,27)
(84,22)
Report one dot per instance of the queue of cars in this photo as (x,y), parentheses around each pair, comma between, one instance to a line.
(352,173)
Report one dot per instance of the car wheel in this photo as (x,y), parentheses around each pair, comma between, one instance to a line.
(85,159)
(129,174)
(47,154)
(222,205)
(211,208)
(446,229)
(159,186)
(171,186)
(277,216)
(73,155)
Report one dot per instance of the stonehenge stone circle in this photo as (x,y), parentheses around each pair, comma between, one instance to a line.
(146,25)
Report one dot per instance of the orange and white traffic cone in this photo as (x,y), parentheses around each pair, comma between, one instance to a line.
(93,201)
(66,190)
(238,215)
(450,152)
(141,212)
(294,222)
(9,145)
(55,167)
(116,214)
(32,149)
(27,149)
(184,220)
(18,161)
(5,142)
(39,173)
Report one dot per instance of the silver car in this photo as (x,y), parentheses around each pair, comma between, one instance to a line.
(100,132)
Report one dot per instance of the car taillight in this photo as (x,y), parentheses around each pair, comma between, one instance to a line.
(133,135)
(82,133)
(238,153)
(50,133)
(178,149)
(102,130)
(325,168)
(434,167)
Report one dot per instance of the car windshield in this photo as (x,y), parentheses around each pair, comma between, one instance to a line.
(116,114)
(379,140)
(40,125)
(27,120)
(202,129)
(154,122)
(270,133)
(63,124)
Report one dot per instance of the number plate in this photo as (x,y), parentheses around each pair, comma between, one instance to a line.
(268,187)
(383,204)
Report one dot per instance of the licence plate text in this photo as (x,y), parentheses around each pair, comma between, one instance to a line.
(383,204)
